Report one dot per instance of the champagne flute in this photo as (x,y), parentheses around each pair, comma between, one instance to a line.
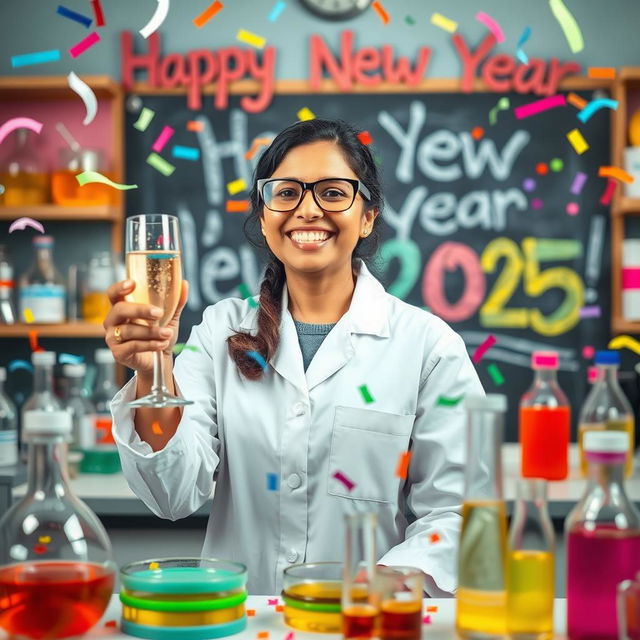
(154,262)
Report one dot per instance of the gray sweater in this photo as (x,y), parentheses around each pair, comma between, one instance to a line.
(310,337)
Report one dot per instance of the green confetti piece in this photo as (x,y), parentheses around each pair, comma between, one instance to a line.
(160,164)
(247,295)
(87,177)
(443,401)
(503,105)
(496,374)
(181,346)
(144,119)
(365,394)
(409,20)
(556,164)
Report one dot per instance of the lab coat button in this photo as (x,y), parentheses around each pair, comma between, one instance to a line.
(294,481)
(299,409)
(292,556)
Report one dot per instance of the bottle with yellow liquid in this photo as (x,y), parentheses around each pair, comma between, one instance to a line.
(607,408)
(481,598)
(530,564)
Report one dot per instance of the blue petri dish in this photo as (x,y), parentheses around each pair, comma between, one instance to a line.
(184,633)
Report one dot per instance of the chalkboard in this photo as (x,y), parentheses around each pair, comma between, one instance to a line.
(476,229)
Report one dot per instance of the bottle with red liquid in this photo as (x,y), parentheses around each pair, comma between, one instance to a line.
(56,568)
(545,422)
(602,540)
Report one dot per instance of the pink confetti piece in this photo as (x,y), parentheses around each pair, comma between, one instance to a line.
(290,636)
(605,198)
(340,477)
(162,139)
(491,24)
(19,123)
(22,223)
(538,106)
(272,601)
(426,620)
(478,354)
(84,44)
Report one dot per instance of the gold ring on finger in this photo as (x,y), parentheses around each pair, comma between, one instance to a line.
(117,334)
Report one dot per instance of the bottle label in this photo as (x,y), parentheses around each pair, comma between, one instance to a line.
(103,425)
(46,302)
(8,447)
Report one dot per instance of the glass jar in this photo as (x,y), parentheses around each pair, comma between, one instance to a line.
(64,186)
(23,173)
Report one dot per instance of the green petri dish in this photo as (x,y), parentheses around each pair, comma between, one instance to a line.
(182,605)
(312,606)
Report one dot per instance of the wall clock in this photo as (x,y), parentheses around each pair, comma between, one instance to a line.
(336,9)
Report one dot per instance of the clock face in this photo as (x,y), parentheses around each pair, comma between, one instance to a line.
(336,9)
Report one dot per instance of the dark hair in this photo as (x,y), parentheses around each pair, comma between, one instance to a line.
(359,158)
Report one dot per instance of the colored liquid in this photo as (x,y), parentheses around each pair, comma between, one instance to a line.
(530,591)
(22,189)
(400,620)
(298,595)
(66,191)
(53,599)
(597,561)
(359,621)
(632,613)
(481,597)
(611,425)
(544,437)
(95,306)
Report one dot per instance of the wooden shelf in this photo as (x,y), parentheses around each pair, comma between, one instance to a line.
(620,325)
(97,213)
(68,330)
(53,87)
(628,205)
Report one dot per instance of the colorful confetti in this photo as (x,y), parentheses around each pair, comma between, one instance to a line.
(255,145)
(438,20)
(208,13)
(608,192)
(434,538)
(156,428)
(195,125)
(520,54)
(542,169)
(14,365)
(153,566)
(305,114)
(144,119)
(181,346)
(588,352)
(593,311)
(247,295)
(251,613)
(402,468)
(477,133)
(576,100)
(432,609)
(366,395)
(426,620)
(596,105)
(237,206)
(556,165)
(84,44)
(110,624)
(444,401)
(341,477)
(491,24)
(19,123)
(156,19)
(20,224)
(258,357)
(86,94)
(262,635)
(625,342)
(409,20)
(279,608)
(538,106)
(40,549)
(272,483)
(502,105)
(278,8)
(185,153)
(479,353)
(97,12)
(74,15)
(272,602)
(251,39)
(569,25)
(236,186)
(44,539)
(162,139)
(160,164)
(572,208)
(33,340)
(577,141)
(37,57)
(601,73)
(616,173)
(578,182)
(496,374)
(365,137)
(88,177)
(69,358)
(381,11)
(529,184)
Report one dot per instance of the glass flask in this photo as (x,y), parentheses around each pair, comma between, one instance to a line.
(602,540)
(359,610)
(398,593)
(8,425)
(530,564)
(607,408)
(23,173)
(56,568)
(7,287)
(545,422)
(629,609)
(79,406)
(481,598)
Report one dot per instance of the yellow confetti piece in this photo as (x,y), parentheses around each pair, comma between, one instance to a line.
(625,342)
(305,114)
(236,186)
(28,316)
(153,566)
(250,38)
(87,177)
(569,25)
(44,539)
(577,141)
(438,20)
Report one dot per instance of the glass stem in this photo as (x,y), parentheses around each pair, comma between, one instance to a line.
(158,374)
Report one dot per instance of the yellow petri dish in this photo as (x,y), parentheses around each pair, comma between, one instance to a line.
(313,620)
(182,619)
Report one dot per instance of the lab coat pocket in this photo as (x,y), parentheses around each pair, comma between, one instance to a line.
(365,447)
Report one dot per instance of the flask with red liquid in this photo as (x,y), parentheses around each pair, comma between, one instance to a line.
(56,568)
(602,540)
(545,422)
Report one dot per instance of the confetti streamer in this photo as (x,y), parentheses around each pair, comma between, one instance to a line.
(479,353)
(86,94)
(258,358)
(195,125)
(236,186)
(607,195)
(576,100)
(74,15)
(153,566)
(14,365)
(432,609)
(444,401)
(156,19)
(144,119)
(341,477)
(28,316)
(625,342)
(496,374)
(278,8)
(69,358)
(568,24)
(602,73)
(19,123)
(434,537)
(159,163)
(381,11)
(272,481)
(247,295)
(262,635)
(305,114)
(84,44)
(162,139)
(208,13)
(491,24)
(37,57)
(185,153)
(590,312)
(520,54)
(616,173)
(251,39)
(578,183)
(577,141)
(237,206)
(22,223)
(402,468)
(438,20)
(97,12)
(88,177)
(365,137)
(181,346)
(366,396)
(255,145)
(596,105)
(533,108)
(503,105)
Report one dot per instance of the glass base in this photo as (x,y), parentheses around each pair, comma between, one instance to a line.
(159,400)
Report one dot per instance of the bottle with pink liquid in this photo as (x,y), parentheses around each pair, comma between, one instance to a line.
(602,538)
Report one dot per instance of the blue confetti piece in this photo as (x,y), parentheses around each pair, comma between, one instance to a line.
(596,105)
(258,358)
(278,8)
(69,358)
(522,56)
(14,365)
(37,57)
(272,481)
(185,153)
(74,15)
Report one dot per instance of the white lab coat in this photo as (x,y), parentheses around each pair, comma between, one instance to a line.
(306,426)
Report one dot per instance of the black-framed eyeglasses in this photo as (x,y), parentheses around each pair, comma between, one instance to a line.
(330,194)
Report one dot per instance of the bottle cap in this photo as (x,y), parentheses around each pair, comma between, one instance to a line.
(46,358)
(74,370)
(545,360)
(47,423)
(104,355)
(490,402)
(607,357)
(43,241)
(3,374)
(606,442)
